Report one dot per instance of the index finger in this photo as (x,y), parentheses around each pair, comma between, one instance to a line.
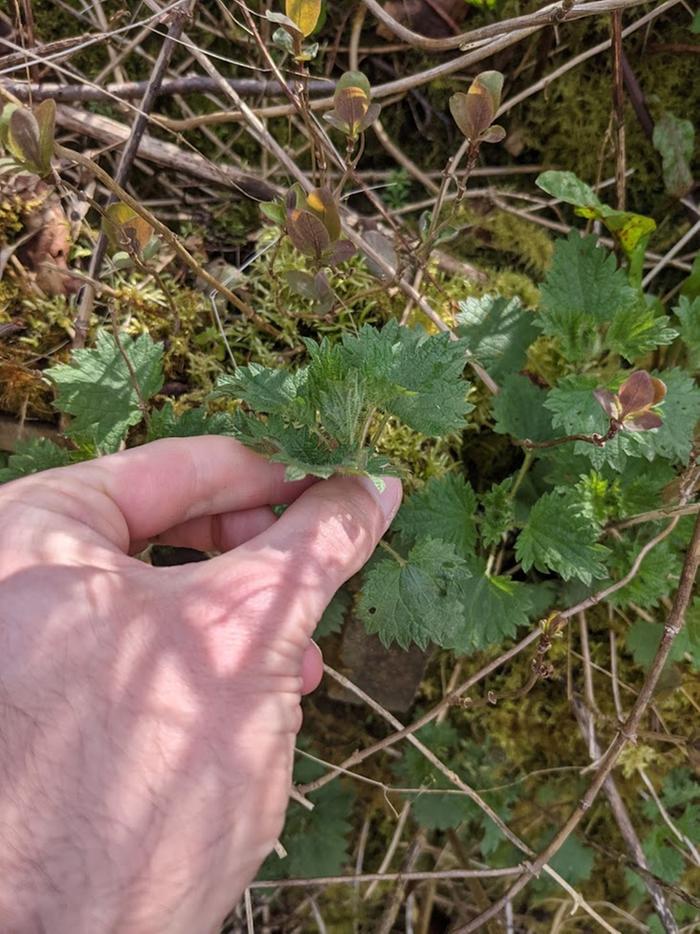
(165,483)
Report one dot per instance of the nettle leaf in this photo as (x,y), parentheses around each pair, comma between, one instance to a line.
(418,601)
(656,578)
(494,608)
(519,410)
(663,860)
(426,374)
(96,387)
(334,615)
(443,509)
(498,516)
(316,416)
(643,639)
(680,411)
(635,330)
(675,140)
(557,537)
(688,313)
(167,423)
(583,290)
(316,841)
(413,770)
(497,332)
(263,388)
(574,860)
(34,455)
(576,411)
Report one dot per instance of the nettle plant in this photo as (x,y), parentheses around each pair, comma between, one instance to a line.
(592,391)
(606,438)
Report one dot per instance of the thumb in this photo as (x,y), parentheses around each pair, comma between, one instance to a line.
(321,540)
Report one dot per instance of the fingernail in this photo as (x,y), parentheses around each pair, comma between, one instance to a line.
(389,498)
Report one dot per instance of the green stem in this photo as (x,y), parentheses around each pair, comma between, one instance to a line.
(394,554)
(525,466)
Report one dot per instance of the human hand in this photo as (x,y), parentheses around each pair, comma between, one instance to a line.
(148,715)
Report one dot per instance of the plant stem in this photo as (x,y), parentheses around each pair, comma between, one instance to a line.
(394,554)
(524,467)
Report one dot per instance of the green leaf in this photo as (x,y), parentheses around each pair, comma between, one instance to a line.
(429,375)
(635,330)
(656,578)
(663,860)
(413,770)
(498,516)
(576,411)
(262,388)
(317,418)
(497,332)
(417,601)
(519,410)
(688,313)
(166,423)
(574,860)
(675,140)
(316,841)
(494,608)
(568,187)
(643,640)
(680,411)
(583,289)
(632,231)
(34,455)
(443,509)
(96,387)
(558,538)
(334,614)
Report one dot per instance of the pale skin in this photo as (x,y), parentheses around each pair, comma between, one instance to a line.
(148,715)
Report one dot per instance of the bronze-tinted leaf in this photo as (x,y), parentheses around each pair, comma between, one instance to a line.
(295,197)
(307,233)
(301,283)
(23,138)
(659,390)
(320,202)
(472,113)
(636,393)
(125,229)
(384,247)
(645,421)
(354,79)
(342,251)
(335,121)
(351,105)
(45,115)
(491,83)
(373,112)
(304,13)
(494,134)
(608,401)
